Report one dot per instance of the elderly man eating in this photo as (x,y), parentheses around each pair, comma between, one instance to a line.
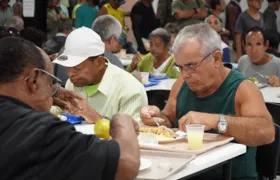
(210,94)
(107,89)
(36,144)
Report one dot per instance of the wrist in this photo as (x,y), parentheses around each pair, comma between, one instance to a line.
(215,120)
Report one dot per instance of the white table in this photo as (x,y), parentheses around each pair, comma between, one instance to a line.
(271,94)
(202,162)
(165,84)
(210,159)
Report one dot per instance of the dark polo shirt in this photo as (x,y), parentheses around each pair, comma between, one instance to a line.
(37,145)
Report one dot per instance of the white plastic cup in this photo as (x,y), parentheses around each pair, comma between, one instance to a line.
(145,77)
(147,139)
(195,133)
(123,53)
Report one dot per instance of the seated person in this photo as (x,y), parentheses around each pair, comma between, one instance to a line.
(107,89)
(223,100)
(273,38)
(159,60)
(257,61)
(43,146)
(172,29)
(214,22)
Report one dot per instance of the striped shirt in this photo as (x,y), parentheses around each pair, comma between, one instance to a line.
(118,92)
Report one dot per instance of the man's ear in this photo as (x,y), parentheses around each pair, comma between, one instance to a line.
(99,62)
(218,58)
(266,45)
(32,81)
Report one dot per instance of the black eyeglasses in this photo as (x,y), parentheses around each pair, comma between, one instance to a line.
(55,81)
(190,67)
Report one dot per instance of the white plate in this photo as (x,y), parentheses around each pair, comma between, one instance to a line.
(145,164)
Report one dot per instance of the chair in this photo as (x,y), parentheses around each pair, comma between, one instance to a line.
(158,98)
(267,157)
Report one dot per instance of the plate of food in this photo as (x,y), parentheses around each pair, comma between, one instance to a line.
(163,134)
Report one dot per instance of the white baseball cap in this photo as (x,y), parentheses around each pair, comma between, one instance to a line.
(80,44)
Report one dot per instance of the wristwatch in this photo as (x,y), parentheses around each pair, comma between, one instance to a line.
(222,126)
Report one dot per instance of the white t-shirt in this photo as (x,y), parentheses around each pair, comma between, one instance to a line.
(162,66)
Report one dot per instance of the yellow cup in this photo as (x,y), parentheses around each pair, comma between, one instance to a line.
(195,133)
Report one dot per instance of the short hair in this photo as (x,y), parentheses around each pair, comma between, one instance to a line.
(106,26)
(272,1)
(208,38)
(213,3)
(273,37)
(206,19)
(34,35)
(17,54)
(254,29)
(65,26)
(162,34)
(172,28)
(15,22)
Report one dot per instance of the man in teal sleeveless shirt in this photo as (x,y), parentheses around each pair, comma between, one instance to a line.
(221,99)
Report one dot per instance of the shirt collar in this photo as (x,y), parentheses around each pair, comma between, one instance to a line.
(60,34)
(107,80)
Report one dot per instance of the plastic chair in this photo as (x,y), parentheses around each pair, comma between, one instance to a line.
(267,157)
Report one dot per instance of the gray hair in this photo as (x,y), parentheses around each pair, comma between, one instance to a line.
(15,22)
(106,26)
(162,34)
(209,39)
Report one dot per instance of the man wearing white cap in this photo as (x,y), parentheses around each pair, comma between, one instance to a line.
(107,89)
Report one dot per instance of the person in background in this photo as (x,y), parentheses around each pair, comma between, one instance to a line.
(232,12)
(9,32)
(273,38)
(159,60)
(34,35)
(15,22)
(109,29)
(80,3)
(5,12)
(223,100)
(215,24)
(269,15)
(85,15)
(53,19)
(257,62)
(247,20)
(18,8)
(144,21)
(188,12)
(57,148)
(61,9)
(216,8)
(172,29)
(164,12)
(106,88)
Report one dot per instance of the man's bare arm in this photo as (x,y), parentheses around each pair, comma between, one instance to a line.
(185,14)
(122,130)
(169,111)
(253,125)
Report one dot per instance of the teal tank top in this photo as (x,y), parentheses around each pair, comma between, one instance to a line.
(221,102)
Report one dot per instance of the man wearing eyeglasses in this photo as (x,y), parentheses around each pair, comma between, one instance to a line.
(36,144)
(222,99)
(106,88)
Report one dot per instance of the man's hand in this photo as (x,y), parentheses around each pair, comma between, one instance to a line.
(66,99)
(273,81)
(149,112)
(209,120)
(120,120)
(84,110)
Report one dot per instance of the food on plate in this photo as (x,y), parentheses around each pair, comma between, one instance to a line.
(162,131)
(102,128)
(255,80)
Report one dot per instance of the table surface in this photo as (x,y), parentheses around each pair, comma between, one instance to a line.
(271,94)
(203,161)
